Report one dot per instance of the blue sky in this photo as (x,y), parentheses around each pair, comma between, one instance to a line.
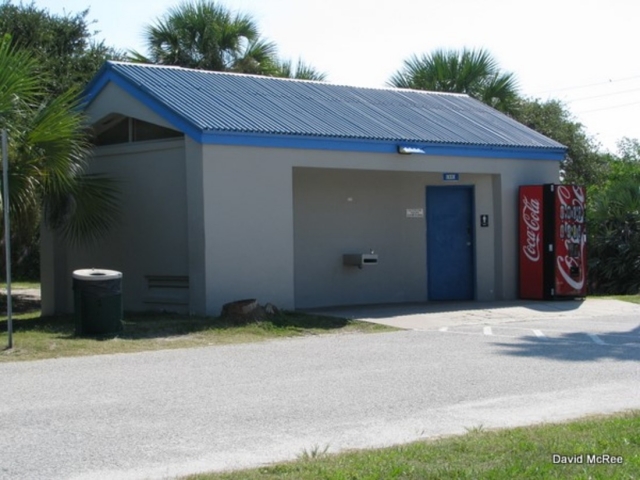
(581,52)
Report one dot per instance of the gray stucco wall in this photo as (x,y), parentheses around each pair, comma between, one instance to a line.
(196,252)
(113,99)
(272,224)
(248,227)
(151,237)
(349,211)
(277,222)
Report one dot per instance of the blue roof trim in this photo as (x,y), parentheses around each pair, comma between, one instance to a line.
(375,146)
(95,86)
(101,81)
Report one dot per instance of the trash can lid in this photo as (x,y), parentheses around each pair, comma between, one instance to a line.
(96,274)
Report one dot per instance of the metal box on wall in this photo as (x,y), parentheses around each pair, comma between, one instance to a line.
(359,259)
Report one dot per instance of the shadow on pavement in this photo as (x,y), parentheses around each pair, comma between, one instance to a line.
(402,309)
(578,346)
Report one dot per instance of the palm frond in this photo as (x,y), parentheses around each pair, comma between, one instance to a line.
(206,35)
(48,147)
(19,82)
(474,72)
(57,139)
(304,71)
(258,57)
(300,70)
(87,211)
(137,57)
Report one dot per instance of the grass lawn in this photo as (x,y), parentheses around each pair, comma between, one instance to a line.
(38,337)
(625,298)
(21,285)
(520,453)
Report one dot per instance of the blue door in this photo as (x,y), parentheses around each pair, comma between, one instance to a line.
(450,235)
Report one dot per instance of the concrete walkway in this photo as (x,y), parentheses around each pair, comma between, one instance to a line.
(432,316)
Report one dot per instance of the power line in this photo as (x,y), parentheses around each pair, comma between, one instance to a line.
(609,108)
(603,95)
(608,82)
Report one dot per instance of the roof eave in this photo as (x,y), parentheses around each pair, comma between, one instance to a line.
(312,142)
(97,83)
(108,75)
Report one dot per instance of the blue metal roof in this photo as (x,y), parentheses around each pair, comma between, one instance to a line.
(205,104)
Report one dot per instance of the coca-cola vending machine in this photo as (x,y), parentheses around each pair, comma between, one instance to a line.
(553,253)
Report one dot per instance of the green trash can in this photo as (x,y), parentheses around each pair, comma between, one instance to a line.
(97,296)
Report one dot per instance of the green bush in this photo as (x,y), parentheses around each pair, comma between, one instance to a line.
(614,237)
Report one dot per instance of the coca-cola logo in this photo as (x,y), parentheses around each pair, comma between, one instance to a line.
(531,219)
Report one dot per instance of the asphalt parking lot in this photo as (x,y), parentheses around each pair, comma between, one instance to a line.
(162,414)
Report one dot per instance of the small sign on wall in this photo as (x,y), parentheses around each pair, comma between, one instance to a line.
(415,212)
(450,177)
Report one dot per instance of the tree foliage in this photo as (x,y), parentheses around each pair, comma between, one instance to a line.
(614,239)
(206,35)
(474,72)
(47,59)
(584,164)
(62,45)
(300,70)
(47,152)
(629,156)
(614,224)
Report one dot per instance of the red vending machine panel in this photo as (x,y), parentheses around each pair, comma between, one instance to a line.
(552,241)
(531,242)
(570,275)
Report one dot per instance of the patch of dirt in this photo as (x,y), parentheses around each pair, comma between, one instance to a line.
(243,312)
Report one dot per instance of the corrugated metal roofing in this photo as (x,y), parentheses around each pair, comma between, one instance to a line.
(225,102)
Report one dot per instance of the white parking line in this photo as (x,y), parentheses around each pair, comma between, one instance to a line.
(551,340)
(620,334)
(596,339)
(563,338)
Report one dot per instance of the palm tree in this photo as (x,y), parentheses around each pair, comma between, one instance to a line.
(300,71)
(474,72)
(48,147)
(206,35)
